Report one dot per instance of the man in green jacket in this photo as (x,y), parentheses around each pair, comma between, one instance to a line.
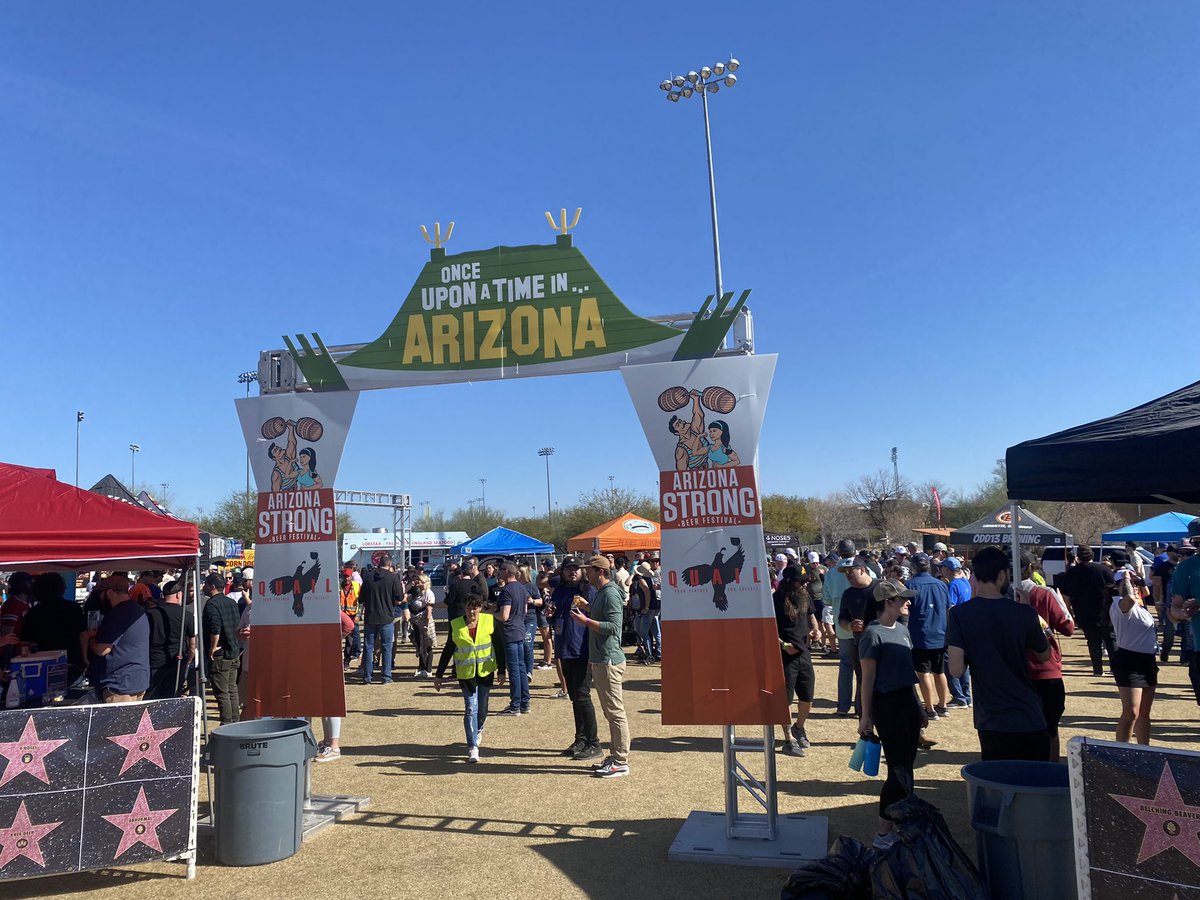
(606,660)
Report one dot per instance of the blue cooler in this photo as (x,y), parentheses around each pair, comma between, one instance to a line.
(41,674)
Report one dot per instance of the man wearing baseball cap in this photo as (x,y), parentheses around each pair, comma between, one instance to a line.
(120,647)
(606,660)
(778,563)
(571,655)
(835,586)
(950,570)
(927,627)
(172,643)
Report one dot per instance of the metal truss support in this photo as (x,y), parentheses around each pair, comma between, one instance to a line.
(401,506)
(739,778)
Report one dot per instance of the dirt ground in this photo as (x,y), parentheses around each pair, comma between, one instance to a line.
(526,822)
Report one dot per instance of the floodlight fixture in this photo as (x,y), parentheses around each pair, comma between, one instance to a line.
(706,81)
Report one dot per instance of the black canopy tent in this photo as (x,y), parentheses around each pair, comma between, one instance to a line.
(1145,455)
(997,528)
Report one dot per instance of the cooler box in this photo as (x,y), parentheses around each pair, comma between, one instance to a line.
(41,674)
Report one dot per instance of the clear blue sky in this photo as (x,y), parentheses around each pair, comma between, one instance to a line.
(964,224)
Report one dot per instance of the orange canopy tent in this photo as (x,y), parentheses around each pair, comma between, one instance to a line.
(627,532)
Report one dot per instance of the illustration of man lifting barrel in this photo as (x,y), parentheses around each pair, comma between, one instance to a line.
(293,471)
(698,447)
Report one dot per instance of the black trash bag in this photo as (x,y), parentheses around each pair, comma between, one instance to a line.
(926,862)
(841,875)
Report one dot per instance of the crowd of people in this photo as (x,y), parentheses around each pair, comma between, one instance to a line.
(918,637)
(921,636)
(134,638)
(582,610)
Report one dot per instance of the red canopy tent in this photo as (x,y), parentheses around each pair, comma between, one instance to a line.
(45,524)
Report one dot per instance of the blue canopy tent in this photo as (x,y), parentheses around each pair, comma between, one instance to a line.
(1170,526)
(501,541)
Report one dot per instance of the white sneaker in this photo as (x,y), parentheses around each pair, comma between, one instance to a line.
(612,770)
(885,841)
(328,754)
(473,755)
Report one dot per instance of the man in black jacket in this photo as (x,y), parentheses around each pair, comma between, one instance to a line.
(1087,587)
(172,643)
(459,589)
(381,592)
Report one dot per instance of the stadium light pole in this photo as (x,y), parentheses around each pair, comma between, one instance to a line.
(78,421)
(134,449)
(248,378)
(483,492)
(546,453)
(707,81)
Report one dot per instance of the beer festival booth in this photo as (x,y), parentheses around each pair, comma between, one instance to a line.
(522,311)
(1135,808)
(92,786)
(624,534)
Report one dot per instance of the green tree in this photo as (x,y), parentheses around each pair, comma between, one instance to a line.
(475,519)
(786,514)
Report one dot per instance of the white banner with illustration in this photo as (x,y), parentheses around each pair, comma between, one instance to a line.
(703,419)
(295,441)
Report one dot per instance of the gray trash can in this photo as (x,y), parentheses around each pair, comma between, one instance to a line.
(258,792)
(1021,813)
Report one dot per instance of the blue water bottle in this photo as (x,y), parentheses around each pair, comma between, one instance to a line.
(858,755)
(871,760)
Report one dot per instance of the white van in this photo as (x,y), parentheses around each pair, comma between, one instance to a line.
(1054,559)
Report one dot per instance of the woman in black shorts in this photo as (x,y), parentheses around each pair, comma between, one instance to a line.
(1134,662)
(797,623)
(889,702)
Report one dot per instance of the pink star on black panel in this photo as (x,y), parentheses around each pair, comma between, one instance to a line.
(28,754)
(145,743)
(22,838)
(140,824)
(1169,821)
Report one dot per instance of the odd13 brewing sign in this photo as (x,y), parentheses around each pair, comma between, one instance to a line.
(702,420)
(293,664)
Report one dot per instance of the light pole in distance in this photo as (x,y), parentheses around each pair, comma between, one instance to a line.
(134,449)
(483,492)
(78,421)
(547,452)
(707,81)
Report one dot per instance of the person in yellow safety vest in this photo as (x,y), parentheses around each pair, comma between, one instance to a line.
(476,665)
